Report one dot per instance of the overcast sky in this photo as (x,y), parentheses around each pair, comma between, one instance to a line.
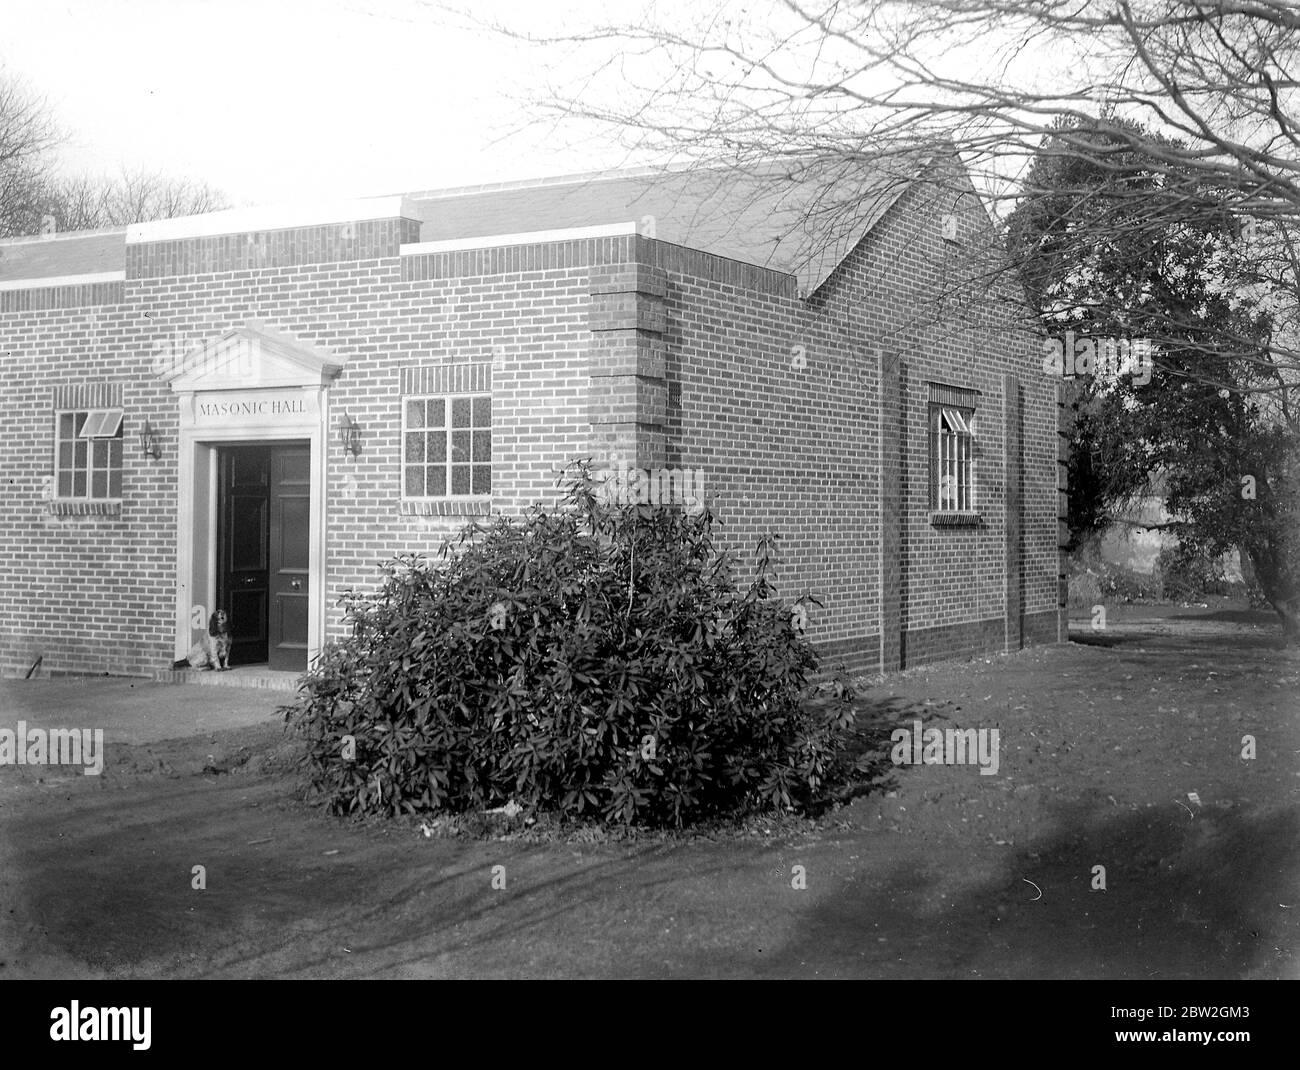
(270,100)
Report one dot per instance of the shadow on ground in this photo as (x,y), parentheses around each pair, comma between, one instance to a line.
(1210,894)
(929,876)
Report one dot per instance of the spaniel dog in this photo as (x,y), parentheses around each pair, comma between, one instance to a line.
(213,650)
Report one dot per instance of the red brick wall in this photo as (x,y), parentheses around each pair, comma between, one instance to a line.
(92,593)
(797,449)
(96,593)
(623,345)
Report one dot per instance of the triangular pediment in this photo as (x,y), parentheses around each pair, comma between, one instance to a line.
(248,358)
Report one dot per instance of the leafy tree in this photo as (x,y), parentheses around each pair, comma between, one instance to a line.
(1218,418)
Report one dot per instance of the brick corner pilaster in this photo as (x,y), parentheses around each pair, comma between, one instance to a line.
(627,386)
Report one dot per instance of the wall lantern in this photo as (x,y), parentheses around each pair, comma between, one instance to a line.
(149,441)
(350,435)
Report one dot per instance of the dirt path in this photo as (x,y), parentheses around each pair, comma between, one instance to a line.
(1100,746)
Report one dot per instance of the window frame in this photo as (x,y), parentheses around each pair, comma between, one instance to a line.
(103,416)
(449,463)
(952,431)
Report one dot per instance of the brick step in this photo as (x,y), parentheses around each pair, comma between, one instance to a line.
(266,679)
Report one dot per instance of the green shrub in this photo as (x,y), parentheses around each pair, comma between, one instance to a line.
(1189,575)
(1253,594)
(1095,581)
(1083,590)
(1119,584)
(592,659)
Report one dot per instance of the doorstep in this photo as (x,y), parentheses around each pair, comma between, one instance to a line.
(250,676)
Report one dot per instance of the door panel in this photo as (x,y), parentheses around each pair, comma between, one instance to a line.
(288,573)
(243,519)
(295,516)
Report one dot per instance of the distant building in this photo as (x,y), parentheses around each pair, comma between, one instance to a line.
(1137,538)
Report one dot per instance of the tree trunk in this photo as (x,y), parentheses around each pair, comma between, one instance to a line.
(1289,613)
(1281,594)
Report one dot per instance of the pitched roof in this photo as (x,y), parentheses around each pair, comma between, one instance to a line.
(798,216)
(801,217)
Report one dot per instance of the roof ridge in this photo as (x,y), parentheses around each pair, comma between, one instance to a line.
(607,174)
(610,174)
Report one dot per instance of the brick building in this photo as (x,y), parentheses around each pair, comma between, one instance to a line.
(253,408)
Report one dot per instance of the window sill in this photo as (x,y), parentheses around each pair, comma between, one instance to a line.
(85,506)
(946,519)
(446,507)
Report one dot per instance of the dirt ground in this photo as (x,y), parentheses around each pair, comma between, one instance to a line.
(942,873)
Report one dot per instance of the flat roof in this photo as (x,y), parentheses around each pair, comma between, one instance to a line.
(798,216)
(87,252)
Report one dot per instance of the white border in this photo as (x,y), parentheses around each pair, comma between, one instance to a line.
(63,280)
(532,237)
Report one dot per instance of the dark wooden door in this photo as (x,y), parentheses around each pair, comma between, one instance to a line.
(243,543)
(290,494)
(263,541)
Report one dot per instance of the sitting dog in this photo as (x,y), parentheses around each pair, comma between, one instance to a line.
(213,650)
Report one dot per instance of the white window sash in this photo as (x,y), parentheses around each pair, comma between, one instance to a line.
(954,459)
(101,423)
(446,401)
